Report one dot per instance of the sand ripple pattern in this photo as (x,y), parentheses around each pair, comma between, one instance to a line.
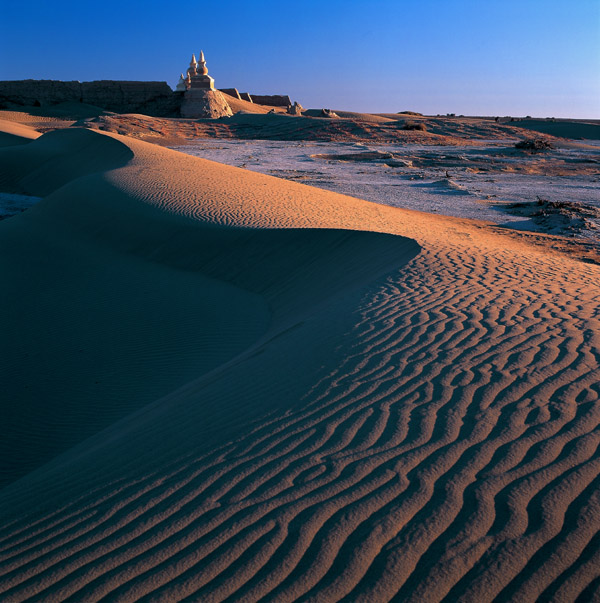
(451,455)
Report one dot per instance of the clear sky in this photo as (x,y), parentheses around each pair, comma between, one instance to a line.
(472,57)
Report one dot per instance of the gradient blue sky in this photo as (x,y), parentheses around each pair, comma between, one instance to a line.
(472,57)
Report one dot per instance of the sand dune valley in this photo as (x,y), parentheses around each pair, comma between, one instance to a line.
(226,385)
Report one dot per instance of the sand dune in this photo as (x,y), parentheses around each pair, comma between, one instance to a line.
(45,119)
(13,133)
(306,396)
(371,117)
(568,129)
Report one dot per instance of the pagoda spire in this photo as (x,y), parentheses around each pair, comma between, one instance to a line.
(200,98)
(202,69)
(193,68)
(181,85)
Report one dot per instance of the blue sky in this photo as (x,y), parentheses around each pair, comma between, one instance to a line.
(485,57)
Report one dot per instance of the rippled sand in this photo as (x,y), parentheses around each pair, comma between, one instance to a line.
(219,385)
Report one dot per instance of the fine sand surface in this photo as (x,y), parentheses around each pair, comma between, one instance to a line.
(219,385)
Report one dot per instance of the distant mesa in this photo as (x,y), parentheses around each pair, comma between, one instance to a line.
(195,95)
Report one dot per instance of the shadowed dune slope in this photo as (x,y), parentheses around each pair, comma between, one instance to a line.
(566,129)
(56,159)
(112,303)
(400,421)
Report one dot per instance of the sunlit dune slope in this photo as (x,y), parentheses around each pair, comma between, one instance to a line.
(14,133)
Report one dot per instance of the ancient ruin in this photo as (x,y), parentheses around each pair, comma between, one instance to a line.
(295,109)
(195,95)
(150,98)
(200,98)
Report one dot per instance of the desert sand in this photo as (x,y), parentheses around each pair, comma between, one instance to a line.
(13,132)
(220,385)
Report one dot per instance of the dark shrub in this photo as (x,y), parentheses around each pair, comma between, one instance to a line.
(534,145)
(413,125)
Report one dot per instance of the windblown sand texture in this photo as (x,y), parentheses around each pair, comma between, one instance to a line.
(218,385)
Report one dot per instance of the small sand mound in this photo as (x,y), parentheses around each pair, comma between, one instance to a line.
(368,156)
(445,186)
(559,217)
(368,117)
(11,204)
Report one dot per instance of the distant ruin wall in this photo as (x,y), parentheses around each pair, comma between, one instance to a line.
(231,92)
(150,98)
(272,100)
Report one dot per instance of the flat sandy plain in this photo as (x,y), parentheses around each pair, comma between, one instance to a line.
(221,385)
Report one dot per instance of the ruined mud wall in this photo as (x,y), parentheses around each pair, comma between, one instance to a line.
(231,92)
(150,98)
(272,100)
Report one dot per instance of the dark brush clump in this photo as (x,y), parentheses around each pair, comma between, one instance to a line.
(534,145)
(544,207)
(559,217)
(413,125)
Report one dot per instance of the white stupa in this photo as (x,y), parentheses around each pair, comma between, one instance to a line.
(201,100)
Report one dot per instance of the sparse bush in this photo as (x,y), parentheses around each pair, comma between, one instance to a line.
(535,145)
(413,125)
